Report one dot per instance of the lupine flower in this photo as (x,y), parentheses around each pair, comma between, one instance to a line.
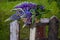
(28,11)
(27,7)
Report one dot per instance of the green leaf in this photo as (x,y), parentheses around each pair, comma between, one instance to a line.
(33,19)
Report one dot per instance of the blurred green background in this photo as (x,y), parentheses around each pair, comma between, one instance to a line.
(7,5)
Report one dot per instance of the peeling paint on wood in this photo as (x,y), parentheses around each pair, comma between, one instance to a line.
(14,30)
(32,32)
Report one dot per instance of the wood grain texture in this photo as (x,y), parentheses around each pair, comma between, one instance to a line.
(14,30)
(53,28)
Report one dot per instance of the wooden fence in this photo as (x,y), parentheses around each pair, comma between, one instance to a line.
(38,31)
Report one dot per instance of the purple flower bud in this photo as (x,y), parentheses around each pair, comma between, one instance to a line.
(26,5)
(28,14)
(15,17)
(42,7)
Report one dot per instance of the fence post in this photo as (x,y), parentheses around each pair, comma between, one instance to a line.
(41,29)
(37,32)
(14,30)
(32,32)
(53,28)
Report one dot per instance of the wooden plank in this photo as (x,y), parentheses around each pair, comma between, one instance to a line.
(40,31)
(32,33)
(44,20)
(53,28)
(14,30)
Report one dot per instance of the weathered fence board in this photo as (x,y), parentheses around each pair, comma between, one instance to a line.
(14,30)
(53,28)
(32,33)
(40,31)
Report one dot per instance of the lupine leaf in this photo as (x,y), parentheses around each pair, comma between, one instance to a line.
(33,15)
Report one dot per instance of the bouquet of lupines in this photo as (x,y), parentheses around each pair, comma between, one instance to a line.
(27,11)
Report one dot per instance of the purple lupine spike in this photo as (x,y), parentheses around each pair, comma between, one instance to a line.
(26,5)
(28,14)
(22,5)
(15,17)
(32,5)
